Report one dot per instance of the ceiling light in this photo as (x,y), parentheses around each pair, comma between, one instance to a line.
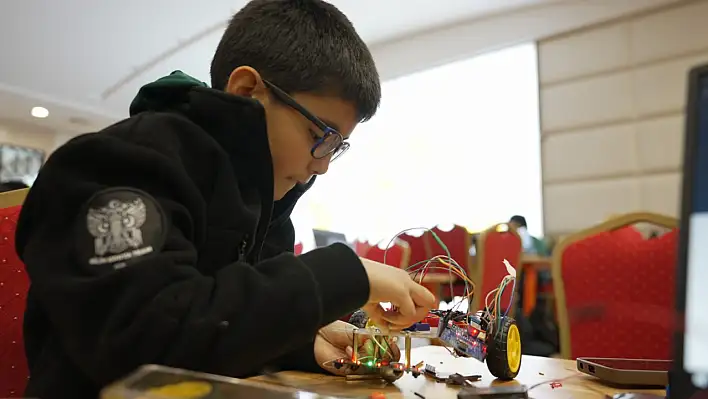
(40,112)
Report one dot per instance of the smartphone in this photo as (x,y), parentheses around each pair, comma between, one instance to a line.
(494,392)
(639,372)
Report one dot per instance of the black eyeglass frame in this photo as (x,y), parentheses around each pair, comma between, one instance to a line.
(327,132)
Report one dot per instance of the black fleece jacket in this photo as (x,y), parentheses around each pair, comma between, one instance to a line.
(157,241)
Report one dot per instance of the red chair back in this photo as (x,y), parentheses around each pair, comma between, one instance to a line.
(495,244)
(458,242)
(419,248)
(298,248)
(615,293)
(13,296)
(628,233)
(361,247)
(396,256)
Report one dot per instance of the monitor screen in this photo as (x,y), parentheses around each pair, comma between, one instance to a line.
(696,322)
(324,238)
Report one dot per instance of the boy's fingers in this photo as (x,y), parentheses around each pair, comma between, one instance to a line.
(376,314)
(422,297)
(398,319)
(405,306)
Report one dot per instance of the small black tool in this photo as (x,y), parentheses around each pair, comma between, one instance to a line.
(459,379)
(498,392)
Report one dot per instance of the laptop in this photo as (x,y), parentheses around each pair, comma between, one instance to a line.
(689,376)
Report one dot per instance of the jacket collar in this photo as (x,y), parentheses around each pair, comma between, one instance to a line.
(238,124)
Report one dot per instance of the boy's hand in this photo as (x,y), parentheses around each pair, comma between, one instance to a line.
(390,284)
(334,341)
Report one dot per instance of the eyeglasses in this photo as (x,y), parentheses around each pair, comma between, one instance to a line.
(330,143)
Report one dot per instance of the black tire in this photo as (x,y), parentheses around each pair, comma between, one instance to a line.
(498,359)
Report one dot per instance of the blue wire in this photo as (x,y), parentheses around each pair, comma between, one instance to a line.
(511,301)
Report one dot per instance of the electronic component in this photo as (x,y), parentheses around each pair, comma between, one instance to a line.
(497,392)
(459,379)
(464,343)
(381,369)
(418,327)
(488,335)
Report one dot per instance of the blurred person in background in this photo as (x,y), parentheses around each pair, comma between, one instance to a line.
(530,244)
(539,332)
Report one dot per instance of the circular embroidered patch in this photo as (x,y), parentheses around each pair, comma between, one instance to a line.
(119,226)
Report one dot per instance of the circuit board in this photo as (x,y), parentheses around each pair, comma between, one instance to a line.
(466,342)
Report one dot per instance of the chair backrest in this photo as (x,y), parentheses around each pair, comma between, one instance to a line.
(614,292)
(458,242)
(628,233)
(13,296)
(419,248)
(361,247)
(397,255)
(495,244)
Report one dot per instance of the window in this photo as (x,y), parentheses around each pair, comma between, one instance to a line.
(456,144)
(19,163)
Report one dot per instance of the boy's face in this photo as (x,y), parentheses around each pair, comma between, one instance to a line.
(291,134)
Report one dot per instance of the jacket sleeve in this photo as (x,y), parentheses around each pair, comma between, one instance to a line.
(118,298)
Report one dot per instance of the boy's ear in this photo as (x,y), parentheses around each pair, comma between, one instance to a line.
(245,81)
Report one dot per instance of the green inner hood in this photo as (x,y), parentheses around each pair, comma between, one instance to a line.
(168,92)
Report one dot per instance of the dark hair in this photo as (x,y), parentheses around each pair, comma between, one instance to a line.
(300,46)
(518,219)
(12,185)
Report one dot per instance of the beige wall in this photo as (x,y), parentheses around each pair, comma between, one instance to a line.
(612,100)
(12,132)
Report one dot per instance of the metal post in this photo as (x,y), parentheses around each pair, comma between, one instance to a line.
(355,346)
(408,351)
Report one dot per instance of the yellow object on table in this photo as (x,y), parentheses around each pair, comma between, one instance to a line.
(183,390)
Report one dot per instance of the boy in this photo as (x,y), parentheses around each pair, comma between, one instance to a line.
(166,238)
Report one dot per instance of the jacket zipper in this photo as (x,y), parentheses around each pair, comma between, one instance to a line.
(244,245)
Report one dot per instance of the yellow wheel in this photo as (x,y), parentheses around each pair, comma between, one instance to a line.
(504,350)
(183,390)
(513,348)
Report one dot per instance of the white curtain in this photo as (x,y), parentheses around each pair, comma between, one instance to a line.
(455,144)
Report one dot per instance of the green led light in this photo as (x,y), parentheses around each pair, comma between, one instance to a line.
(370,364)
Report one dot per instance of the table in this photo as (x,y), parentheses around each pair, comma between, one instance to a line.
(534,370)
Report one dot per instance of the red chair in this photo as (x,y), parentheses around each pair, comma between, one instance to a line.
(615,293)
(628,233)
(361,247)
(495,244)
(298,248)
(458,242)
(13,296)
(419,249)
(398,255)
